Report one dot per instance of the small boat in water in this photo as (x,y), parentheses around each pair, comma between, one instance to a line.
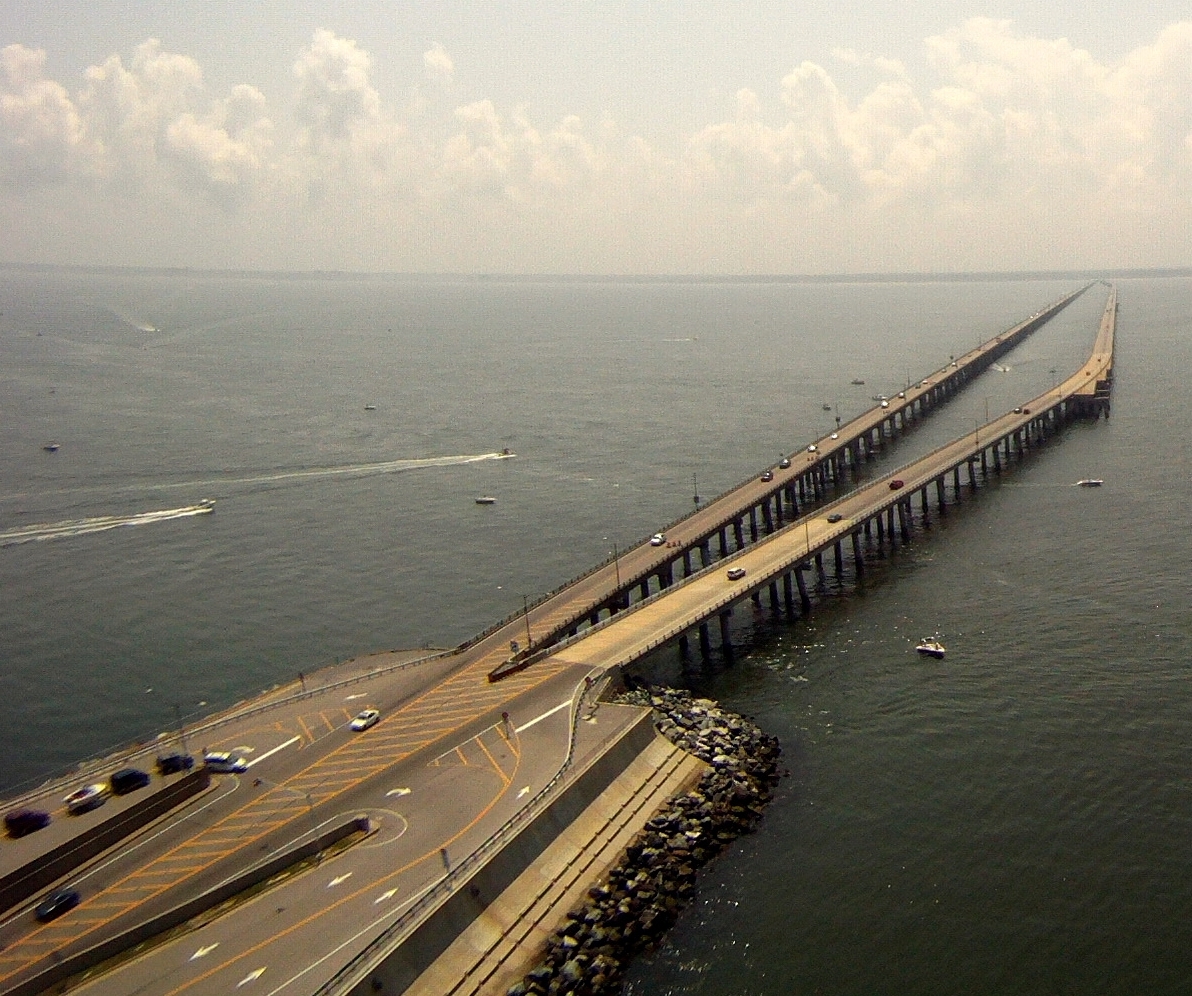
(931,648)
(1090,482)
(50,447)
(486,500)
(370,408)
(207,505)
(857,380)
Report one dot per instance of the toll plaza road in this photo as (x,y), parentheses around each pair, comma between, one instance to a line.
(429,812)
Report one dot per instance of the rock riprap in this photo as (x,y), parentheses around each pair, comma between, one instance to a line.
(642,896)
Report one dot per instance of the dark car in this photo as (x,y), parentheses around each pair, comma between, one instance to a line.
(22,822)
(835,517)
(896,484)
(128,780)
(768,475)
(171,764)
(55,904)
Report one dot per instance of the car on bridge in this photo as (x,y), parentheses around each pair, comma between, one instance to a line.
(736,573)
(87,798)
(56,903)
(224,763)
(22,822)
(364,719)
(768,475)
(835,517)
(784,462)
(172,764)
(657,539)
(896,484)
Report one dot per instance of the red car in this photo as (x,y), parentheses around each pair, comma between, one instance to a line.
(896,484)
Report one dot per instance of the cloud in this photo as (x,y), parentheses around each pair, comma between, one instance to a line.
(438,63)
(41,133)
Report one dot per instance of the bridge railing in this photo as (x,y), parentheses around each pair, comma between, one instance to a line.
(394,933)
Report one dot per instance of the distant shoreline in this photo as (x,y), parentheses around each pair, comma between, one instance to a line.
(480,278)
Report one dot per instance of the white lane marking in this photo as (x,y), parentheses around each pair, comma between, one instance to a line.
(270,753)
(339,880)
(524,791)
(545,715)
(358,695)
(385,895)
(251,977)
(400,791)
(205,950)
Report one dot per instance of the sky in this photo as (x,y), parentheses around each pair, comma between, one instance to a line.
(597,136)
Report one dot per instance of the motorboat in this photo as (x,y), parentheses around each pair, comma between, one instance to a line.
(858,380)
(931,648)
(207,505)
(50,447)
(1090,482)
(370,408)
(486,500)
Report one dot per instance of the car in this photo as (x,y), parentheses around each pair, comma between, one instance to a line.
(736,573)
(784,462)
(128,780)
(835,517)
(22,822)
(902,394)
(812,448)
(56,903)
(657,539)
(224,763)
(835,435)
(364,719)
(87,798)
(768,475)
(1018,411)
(885,403)
(171,764)
(896,484)
(1026,411)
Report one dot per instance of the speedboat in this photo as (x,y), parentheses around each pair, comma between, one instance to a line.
(931,648)
(486,500)
(207,505)
(370,408)
(50,447)
(858,380)
(1090,482)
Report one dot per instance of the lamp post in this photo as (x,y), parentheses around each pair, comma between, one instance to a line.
(617,565)
(526,613)
(181,727)
(694,491)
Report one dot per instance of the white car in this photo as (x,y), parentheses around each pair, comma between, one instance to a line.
(224,763)
(736,573)
(87,798)
(657,539)
(365,719)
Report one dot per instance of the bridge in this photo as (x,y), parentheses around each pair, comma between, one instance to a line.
(482,741)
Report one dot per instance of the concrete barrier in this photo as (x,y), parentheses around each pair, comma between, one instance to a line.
(72,965)
(21,883)
(396,967)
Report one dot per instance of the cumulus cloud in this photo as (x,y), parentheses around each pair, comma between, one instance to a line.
(438,63)
(41,134)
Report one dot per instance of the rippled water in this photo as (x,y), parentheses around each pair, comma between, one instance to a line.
(1011,819)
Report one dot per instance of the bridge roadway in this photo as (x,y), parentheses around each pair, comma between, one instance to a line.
(304,782)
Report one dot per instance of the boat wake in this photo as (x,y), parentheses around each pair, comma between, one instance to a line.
(97,524)
(357,470)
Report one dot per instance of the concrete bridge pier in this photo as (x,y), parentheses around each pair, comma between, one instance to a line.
(939,494)
(726,642)
(774,605)
(788,591)
(904,515)
(804,598)
(881,529)
(687,571)
(705,640)
(684,646)
(705,553)
(839,550)
(723,536)
(857,558)
(768,516)
(739,533)
(753,523)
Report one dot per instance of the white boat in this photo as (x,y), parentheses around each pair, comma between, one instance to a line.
(931,648)
(486,500)
(1090,482)
(207,505)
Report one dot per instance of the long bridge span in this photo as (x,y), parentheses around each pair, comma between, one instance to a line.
(475,740)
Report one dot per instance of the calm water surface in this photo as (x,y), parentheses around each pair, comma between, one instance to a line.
(1013,819)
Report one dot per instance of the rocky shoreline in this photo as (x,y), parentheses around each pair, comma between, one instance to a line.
(642,896)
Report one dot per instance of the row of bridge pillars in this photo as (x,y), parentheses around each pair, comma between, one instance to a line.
(895,521)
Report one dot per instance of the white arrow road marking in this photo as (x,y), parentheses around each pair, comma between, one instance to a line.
(251,977)
(244,749)
(385,895)
(401,791)
(349,698)
(339,879)
(205,950)
(545,715)
(270,753)
(524,791)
